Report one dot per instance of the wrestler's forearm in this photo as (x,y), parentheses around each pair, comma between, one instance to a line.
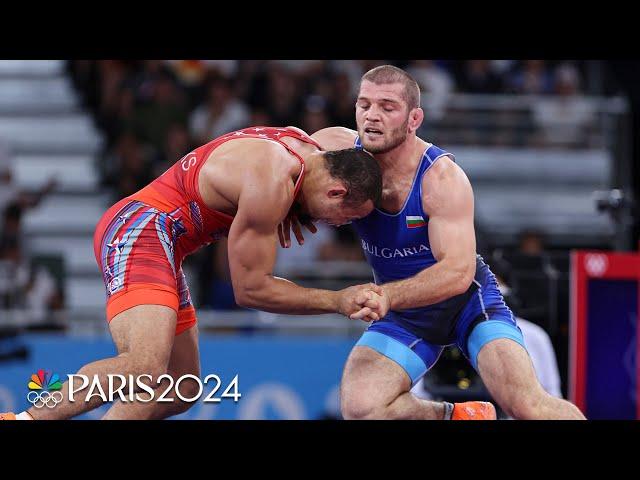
(278,295)
(432,285)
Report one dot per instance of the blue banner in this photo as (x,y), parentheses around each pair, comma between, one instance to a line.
(611,345)
(278,377)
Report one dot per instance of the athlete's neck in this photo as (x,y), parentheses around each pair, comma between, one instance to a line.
(312,172)
(311,162)
(404,158)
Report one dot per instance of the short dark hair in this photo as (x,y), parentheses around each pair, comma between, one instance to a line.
(385,74)
(360,173)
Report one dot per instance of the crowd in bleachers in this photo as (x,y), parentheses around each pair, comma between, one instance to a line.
(153,111)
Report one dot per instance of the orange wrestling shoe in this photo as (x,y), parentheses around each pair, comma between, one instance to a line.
(473,411)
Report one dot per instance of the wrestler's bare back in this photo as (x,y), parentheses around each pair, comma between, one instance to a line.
(224,174)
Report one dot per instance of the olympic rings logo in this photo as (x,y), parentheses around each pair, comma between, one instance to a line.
(39,400)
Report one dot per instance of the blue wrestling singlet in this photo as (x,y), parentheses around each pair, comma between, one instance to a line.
(397,247)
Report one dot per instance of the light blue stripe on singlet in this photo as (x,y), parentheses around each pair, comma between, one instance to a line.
(396,351)
(490,330)
(132,232)
(165,241)
(108,238)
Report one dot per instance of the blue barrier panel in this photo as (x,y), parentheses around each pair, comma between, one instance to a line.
(604,373)
(278,377)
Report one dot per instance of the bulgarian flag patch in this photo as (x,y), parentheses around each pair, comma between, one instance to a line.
(415,221)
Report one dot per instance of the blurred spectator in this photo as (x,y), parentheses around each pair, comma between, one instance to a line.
(289,259)
(128,166)
(478,77)
(192,75)
(249,82)
(86,79)
(531,242)
(221,113)
(353,69)
(343,245)
(532,79)
(282,101)
(10,193)
(502,68)
(8,190)
(22,285)
(564,118)
(342,102)
(260,118)
(11,221)
(189,72)
(302,68)
(112,110)
(436,85)
(314,117)
(177,144)
(14,200)
(160,106)
(226,68)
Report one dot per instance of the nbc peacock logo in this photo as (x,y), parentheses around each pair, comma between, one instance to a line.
(44,389)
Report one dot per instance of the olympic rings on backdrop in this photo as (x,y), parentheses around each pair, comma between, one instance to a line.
(49,399)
